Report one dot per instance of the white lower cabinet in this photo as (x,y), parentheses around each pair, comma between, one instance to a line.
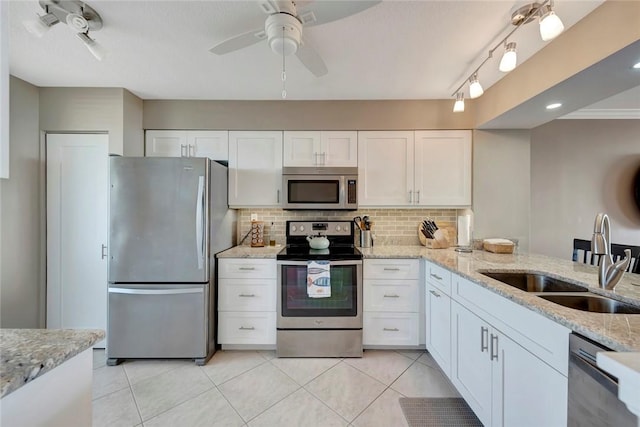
(438,329)
(392,290)
(247,302)
(502,382)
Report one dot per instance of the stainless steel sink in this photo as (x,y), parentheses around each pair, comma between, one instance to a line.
(531,282)
(592,303)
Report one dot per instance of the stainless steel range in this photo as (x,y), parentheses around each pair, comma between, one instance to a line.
(319,292)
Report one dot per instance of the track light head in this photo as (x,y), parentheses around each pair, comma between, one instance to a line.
(509,59)
(475,88)
(550,25)
(41,24)
(458,107)
(96,49)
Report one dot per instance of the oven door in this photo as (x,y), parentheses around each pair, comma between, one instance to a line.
(342,310)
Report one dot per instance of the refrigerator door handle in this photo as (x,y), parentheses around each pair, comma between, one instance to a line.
(200,223)
(172,291)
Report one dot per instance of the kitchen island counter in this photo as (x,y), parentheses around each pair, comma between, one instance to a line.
(28,354)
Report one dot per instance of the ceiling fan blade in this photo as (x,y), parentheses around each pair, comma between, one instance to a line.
(311,59)
(321,12)
(239,42)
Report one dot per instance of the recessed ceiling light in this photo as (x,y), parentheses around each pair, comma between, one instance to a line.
(554,106)
(636,66)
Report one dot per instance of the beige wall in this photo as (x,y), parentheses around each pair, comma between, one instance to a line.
(580,168)
(114,110)
(21,234)
(305,115)
(501,182)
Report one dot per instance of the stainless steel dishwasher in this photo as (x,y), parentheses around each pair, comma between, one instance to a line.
(593,393)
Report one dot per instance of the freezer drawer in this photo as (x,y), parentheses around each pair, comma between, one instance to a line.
(157,321)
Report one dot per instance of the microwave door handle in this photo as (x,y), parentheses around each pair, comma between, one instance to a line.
(342,197)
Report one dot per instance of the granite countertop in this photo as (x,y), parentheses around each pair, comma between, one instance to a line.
(30,353)
(246,251)
(620,332)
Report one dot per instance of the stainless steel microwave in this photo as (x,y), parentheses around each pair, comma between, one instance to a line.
(326,188)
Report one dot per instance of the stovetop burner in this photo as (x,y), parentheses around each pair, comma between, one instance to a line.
(339,233)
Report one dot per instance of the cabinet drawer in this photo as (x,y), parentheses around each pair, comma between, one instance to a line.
(238,268)
(389,295)
(247,328)
(390,329)
(247,295)
(439,277)
(391,269)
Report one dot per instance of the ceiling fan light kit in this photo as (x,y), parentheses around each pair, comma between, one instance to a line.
(284,33)
(550,27)
(79,17)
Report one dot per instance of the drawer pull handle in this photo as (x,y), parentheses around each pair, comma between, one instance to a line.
(391,269)
(435,294)
(247,268)
(391,329)
(250,328)
(435,276)
(246,295)
(391,296)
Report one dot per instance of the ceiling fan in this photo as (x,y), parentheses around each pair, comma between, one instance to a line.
(283,28)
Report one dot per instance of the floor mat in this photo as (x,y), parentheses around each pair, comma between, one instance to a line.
(438,412)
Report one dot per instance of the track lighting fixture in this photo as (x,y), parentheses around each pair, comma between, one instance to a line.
(458,107)
(550,27)
(78,16)
(509,59)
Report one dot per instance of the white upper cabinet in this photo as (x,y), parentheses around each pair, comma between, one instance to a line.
(182,143)
(321,148)
(421,168)
(255,168)
(385,168)
(443,168)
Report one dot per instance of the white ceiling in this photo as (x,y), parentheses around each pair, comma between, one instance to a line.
(393,50)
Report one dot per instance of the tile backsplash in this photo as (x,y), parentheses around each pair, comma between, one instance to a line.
(389,226)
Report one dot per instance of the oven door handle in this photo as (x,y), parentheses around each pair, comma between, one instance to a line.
(331,262)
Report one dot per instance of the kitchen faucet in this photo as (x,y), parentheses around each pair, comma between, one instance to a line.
(609,273)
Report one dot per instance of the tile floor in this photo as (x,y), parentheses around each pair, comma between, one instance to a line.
(254,388)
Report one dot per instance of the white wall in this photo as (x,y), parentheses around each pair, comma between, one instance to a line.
(580,168)
(21,233)
(501,181)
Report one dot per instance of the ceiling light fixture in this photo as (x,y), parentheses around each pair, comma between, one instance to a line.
(636,66)
(550,27)
(554,106)
(509,59)
(458,107)
(78,16)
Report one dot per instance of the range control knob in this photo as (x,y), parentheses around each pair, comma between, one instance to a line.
(338,228)
(293,228)
(302,228)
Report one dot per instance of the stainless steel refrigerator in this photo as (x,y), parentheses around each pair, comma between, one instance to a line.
(168,217)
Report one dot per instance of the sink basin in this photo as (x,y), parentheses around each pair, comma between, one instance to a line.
(592,303)
(531,282)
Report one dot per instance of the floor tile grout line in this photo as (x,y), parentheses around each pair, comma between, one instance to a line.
(326,404)
(256,416)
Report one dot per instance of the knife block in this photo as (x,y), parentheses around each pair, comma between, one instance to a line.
(257,234)
(441,240)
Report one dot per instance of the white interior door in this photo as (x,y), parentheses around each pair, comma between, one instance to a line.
(77,198)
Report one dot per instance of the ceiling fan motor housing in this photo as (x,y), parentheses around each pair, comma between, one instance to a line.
(283,33)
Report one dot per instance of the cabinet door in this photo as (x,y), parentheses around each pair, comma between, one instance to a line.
(302,148)
(211,144)
(438,330)
(339,148)
(443,168)
(521,379)
(166,143)
(255,168)
(385,168)
(471,363)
